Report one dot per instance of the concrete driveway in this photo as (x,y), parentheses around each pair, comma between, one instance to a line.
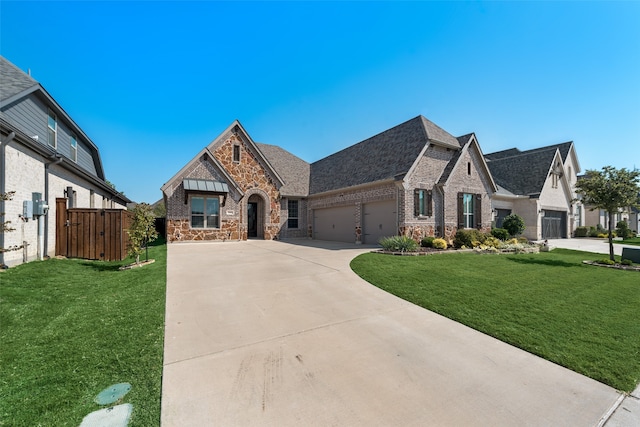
(283,334)
(587,244)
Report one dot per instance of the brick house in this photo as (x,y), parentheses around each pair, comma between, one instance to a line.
(539,186)
(414,179)
(43,151)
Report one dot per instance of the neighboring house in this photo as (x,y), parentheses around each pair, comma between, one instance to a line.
(43,151)
(414,179)
(539,186)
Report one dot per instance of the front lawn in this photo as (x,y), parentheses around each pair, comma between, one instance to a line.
(71,328)
(579,316)
(631,241)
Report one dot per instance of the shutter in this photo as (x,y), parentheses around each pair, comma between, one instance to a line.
(460,211)
(416,202)
(429,203)
(478,211)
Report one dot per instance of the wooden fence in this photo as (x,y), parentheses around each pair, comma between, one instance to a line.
(98,234)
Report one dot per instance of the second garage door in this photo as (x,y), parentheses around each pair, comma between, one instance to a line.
(379,220)
(337,224)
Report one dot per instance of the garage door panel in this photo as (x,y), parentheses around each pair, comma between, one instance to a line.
(554,225)
(379,220)
(336,224)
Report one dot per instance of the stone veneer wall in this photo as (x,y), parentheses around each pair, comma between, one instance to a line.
(250,176)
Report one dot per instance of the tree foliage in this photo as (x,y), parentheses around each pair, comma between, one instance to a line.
(142,230)
(610,190)
(514,224)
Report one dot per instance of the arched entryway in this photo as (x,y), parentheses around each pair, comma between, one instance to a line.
(255,217)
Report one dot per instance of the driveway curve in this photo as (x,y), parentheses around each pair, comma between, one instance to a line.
(271,333)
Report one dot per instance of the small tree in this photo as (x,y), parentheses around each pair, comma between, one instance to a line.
(623,230)
(610,190)
(514,224)
(142,230)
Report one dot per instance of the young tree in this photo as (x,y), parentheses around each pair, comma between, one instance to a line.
(514,224)
(142,230)
(610,189)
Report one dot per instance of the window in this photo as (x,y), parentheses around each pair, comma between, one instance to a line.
(74,148)
(422,202)
(469,210)
(579,215)
(205,212)
(469,168)
(236,153)
(292,207)
(92,199)
(53,130)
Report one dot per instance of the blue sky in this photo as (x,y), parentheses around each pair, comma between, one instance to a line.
(152,83)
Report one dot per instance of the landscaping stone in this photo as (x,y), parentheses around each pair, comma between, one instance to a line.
(116,416)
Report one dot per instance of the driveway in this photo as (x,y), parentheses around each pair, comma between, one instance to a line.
(283,334)
(589,245)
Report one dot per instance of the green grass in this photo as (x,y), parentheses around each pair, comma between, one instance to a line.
(632,241)
(70,328)
(579,316)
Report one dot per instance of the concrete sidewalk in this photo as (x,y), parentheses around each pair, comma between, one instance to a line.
(273,333)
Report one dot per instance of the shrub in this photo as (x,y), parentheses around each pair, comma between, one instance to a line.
(626,262)
(523,240)
(467,238)
(399,243)
(513,241)
(439,243)
(514,224)
(492,242)
(593,232)
(605,261)
(500,233)
(602,236)
(427,242)
(581,232)
(622,230)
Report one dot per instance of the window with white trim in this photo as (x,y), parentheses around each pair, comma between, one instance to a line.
(74,148)
(468,210)
(292,208)
(205,212)
(52,123)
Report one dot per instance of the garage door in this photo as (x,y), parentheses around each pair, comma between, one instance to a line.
(337,224)
(554,225)
(379,220)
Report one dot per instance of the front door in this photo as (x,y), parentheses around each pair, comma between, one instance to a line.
(252,219)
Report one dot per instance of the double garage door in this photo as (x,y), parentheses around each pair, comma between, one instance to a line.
(339,223)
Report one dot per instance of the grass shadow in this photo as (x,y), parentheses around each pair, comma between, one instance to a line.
(101,265)
(547,262)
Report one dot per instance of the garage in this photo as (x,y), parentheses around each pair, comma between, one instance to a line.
(554,225)
(379,220)
(336,224)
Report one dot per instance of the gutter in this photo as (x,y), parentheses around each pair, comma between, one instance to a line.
(3,172)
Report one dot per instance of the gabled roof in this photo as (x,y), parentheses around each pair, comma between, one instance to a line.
(293,170)
(524,173)
(386,156)
(465,142)
(13,81)
(15,84)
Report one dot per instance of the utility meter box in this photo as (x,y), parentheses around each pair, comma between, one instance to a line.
(27,209)
(40,206)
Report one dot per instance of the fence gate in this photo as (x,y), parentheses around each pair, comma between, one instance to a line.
(91,233)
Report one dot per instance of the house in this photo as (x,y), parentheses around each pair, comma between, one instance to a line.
(414,179)
(539,186)
(44,155)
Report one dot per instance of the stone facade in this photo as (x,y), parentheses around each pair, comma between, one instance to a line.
(253,180)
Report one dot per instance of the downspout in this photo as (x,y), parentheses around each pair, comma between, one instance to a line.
(3,172)
(58,159)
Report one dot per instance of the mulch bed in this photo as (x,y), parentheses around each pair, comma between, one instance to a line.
(616,266)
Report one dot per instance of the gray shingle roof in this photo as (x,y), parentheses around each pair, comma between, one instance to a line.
(293,170)
(388,155)
(13,80)
(524,173)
